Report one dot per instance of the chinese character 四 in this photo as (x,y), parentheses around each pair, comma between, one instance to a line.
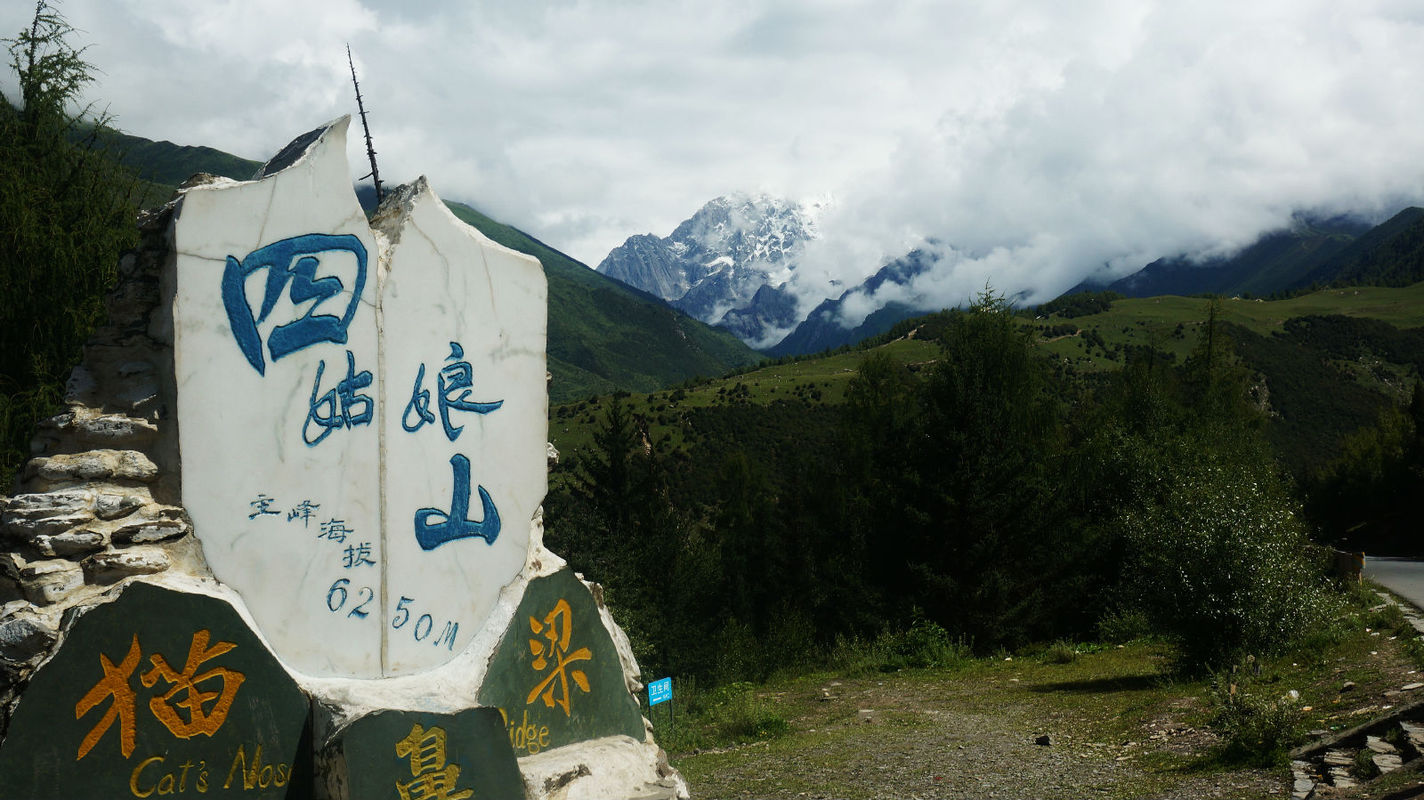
(291,263)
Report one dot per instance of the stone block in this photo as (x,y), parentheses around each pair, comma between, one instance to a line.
(415,754)
(49,504)
(148,531)
(556,674)
(93,465)
(48,582)
(113,506)
(29,528)
(71,544)
(23,638)
(159,693)
(109,567)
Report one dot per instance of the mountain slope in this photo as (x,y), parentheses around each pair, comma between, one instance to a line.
(1390,254)
(603,336)
(823,330)
(1277,261)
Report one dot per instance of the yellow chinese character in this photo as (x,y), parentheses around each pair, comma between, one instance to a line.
(433,780)
(558,628)
(201,719)
(115,684)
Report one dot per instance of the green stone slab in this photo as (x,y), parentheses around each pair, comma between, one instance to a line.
(87,726)
(556,675)
(412,754)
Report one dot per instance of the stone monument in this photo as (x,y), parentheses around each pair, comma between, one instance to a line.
(287,539)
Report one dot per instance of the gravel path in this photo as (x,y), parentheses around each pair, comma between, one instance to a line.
(947,740)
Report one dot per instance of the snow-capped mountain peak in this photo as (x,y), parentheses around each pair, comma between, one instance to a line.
(718,259)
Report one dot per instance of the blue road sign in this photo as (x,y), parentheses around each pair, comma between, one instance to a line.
(659,691)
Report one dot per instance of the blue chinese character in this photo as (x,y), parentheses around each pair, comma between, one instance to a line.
(419,403)
(340,404)
(456,381)
(335,530)
(262,506)
(455,525)
(304,511)
(358,555)
(291,261)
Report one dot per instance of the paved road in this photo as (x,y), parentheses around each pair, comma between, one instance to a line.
(1403,576)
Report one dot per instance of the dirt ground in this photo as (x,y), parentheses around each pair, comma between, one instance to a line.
(1115,728)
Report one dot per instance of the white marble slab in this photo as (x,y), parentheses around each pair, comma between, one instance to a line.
(305,490)
(466,397)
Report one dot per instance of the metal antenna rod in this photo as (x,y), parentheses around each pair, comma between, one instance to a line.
(374,175)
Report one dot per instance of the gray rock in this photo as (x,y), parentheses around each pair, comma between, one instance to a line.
(116,565)
(49,504)
(113,506)
(79,389)
(22,638)
(1387,762)
(1378,745)
(1347,686)
(71,544)
(48,582)
(124,465)
(115,429)
(150,530)
(1338,758)
(31,528)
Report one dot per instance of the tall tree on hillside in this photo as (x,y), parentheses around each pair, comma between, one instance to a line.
(65,215)
(984,446)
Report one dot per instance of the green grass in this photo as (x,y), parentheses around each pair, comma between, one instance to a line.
(1120,725)
(1154,320)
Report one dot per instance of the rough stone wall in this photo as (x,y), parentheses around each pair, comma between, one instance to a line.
(95,503)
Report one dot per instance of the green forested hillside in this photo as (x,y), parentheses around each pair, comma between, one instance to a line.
(1391,254)
(604,336)
(957,479)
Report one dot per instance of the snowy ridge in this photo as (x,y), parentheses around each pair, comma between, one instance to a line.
(727,264)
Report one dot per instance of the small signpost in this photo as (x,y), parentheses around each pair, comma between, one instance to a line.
(660,691)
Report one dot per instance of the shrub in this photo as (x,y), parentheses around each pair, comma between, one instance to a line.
(1061,652)
(1217,562)
(1258,725)
(1120,626)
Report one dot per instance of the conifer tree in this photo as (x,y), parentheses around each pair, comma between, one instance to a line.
(65,215)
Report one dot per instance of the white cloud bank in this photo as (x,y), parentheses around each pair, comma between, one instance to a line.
(1041,140)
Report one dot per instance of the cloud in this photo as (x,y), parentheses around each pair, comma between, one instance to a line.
(1186,129)
(1041,141)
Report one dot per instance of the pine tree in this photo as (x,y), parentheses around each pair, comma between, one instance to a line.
(65,215)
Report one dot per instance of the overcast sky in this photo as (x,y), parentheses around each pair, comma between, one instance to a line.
(1036,141)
